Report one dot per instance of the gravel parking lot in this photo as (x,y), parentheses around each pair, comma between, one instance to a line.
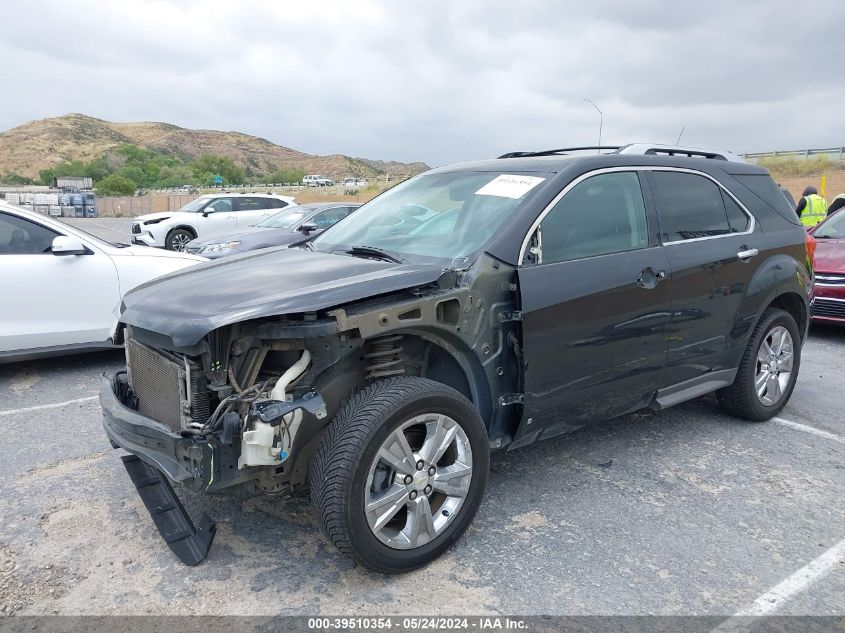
(687,511)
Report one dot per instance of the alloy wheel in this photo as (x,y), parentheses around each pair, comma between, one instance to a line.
(418,481)
(180,241)
(774,366)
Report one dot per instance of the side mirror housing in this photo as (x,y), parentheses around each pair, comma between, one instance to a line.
(308,228)
(66,245)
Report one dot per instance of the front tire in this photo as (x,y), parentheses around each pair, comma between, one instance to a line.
(177,239)
(768,369)
(400,473)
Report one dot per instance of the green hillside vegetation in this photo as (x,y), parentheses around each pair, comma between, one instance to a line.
(128,168)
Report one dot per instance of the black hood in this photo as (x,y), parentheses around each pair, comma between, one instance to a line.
(188,304)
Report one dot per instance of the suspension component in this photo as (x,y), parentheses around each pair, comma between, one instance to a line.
(384,358)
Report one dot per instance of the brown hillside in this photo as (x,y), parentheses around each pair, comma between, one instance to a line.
(36,145)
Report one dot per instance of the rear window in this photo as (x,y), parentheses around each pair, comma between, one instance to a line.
(762,186)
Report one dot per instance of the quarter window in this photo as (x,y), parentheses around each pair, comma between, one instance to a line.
(600,215)
(275,203)
(737,219)
(691,206)
(22,237)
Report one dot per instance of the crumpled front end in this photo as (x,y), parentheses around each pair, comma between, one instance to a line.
(184,418)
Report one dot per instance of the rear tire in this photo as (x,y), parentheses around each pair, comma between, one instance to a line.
(759,391)
(372,498)
(177,239)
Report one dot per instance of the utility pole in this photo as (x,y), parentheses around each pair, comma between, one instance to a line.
(601,120)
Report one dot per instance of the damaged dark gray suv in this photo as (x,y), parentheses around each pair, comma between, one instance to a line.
(473,307)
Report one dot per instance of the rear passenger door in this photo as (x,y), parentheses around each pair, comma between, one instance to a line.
(712,249)
(251,210)
(595,307)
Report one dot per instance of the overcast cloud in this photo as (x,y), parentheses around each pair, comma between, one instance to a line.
(438,81)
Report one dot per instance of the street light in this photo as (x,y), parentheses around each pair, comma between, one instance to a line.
(601,120)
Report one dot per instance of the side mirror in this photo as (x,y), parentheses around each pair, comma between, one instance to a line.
(308,228)
(65,245)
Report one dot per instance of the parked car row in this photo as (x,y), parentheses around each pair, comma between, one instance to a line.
(67,284)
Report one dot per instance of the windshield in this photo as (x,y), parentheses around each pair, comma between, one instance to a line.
(441,216)
(195,205)
(284,219)
(833,227)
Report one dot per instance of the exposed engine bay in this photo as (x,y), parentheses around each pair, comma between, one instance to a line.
(253,397)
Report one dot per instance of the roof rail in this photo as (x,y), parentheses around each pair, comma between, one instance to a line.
(562,150)
(637,149)
(646,149)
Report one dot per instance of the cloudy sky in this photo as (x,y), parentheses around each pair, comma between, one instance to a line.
(439,81)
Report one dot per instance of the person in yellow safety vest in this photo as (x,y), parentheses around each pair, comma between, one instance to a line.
(812,207)
(837,203)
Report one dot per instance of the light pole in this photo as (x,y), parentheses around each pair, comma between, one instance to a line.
(601,120)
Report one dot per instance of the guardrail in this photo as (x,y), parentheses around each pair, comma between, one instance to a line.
(836,153)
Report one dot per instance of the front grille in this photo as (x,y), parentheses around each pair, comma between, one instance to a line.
(136,228)
(831,308)
(830,279)
(159,383)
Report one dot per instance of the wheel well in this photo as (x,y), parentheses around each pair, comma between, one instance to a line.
(185,227)
(792,303)
(419,356)
(442,367)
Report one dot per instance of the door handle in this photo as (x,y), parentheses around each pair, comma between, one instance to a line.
(649,278)
(747,254)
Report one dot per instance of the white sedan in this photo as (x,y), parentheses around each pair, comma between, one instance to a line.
(62,287)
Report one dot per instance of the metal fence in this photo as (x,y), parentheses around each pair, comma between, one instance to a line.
(131,206)
(834,153)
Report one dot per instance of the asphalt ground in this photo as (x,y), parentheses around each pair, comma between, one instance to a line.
(683,512)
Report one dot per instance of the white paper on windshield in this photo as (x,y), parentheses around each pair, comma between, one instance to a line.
(509,186)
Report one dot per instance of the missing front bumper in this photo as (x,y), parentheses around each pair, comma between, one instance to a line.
(189,543)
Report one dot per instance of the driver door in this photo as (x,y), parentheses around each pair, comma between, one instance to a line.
(595,308)
(218,217)
(51,300)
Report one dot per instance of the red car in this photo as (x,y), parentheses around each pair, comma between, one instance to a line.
(828,305)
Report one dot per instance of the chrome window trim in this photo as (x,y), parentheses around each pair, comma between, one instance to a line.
(636,168)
